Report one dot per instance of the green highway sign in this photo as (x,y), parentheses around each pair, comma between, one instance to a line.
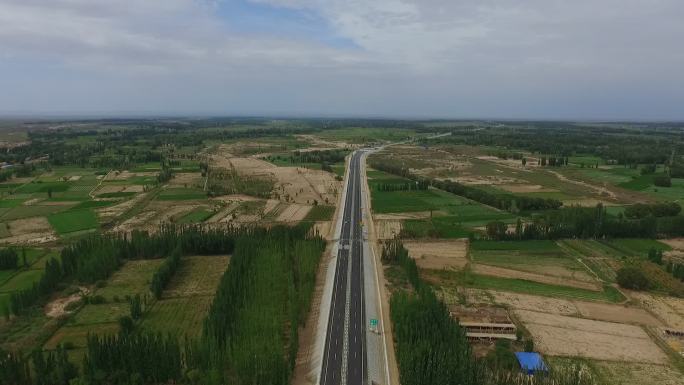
(373,322)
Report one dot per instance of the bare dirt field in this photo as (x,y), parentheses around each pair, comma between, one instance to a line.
(670,310)
(293,184)
(439,254)
(616,313)
(675,243)
(387,229)
(401,216)
(526,188)
(589,310)
(576,337)
(535,303)
(30,230)
(57,308)
(108,189)
(123,175)
(623,373)
(118,209)
(548,279)
(189,179)
(293,213)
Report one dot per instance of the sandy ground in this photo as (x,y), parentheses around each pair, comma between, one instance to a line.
(670,310)
(324,229)
(603,191)
(57,308)
(533,302)
(189,179)
(526,188)
(517,274)
(30,231)
(118,209)
(123,175)
(293,184)
(271,204)
(293,213)
(439,254)
(387,229)
(401,216)
(569,336)
(109,188)
(623,373)
(675,243)
(224,214)
(589,310)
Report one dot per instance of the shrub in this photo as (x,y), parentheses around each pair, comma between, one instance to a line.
(631,277)
(662,181)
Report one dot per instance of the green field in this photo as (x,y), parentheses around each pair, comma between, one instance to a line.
(545,257)
(133,278)
(73,220)
(195,216)
(180,194)
(188,296)
(451,278)
(635,247)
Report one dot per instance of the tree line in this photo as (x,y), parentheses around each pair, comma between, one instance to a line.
(96,257)
(249,336)
(502,201)
(406,186)
(9,259)
(585,222)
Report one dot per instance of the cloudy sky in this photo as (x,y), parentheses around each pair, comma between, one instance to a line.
(560,59)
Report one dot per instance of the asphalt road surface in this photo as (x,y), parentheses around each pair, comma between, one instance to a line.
(344,357)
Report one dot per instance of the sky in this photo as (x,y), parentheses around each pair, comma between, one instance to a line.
(507,59)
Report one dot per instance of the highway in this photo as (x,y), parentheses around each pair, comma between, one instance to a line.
(345,354)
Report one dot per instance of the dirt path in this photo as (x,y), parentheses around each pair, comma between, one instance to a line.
(600,190)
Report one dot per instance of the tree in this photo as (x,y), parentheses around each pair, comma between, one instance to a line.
(631,277)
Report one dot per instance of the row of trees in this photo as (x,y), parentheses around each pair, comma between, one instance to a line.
(584,222)
(164,273)
(97,257)
(407,186)
(501,201)
(661,209)
(9,259)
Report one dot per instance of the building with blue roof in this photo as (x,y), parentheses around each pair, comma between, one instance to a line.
(531,363)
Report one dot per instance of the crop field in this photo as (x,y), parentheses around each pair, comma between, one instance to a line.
(23,277)
(320,213)
(180,194)
(479,281)
(195,216)
(133,278)
(543,257)
(188,296)
(73,220)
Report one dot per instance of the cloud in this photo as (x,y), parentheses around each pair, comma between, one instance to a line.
(527,58)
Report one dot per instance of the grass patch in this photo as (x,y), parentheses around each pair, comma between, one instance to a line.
(320,213)
(195,216)
(118,194)
(609,294)
(72,221)
(182,316)
(636,247)
(21,281)
(437,227)
(133,278)
(92,205)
